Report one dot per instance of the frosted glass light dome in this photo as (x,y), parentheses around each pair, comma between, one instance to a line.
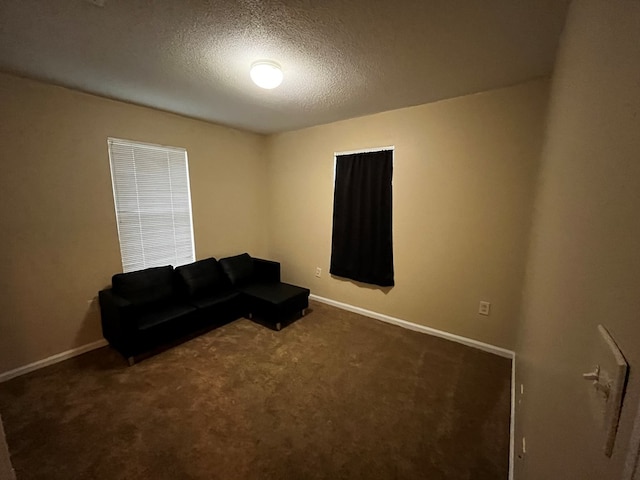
(266,74)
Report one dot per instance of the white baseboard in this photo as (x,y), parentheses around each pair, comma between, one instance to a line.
(59,357)
(512,423)
(503,352)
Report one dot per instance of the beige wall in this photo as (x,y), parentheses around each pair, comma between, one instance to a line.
(463,182)
(584,264)
(59,238)
(463,178)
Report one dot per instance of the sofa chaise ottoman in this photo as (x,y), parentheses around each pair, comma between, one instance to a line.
(268,300)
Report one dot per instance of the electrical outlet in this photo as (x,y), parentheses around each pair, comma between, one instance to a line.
(484,308)
(318,272)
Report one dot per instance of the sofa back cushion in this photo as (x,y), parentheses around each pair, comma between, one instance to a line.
(151,285)
(202,278)
(239,269)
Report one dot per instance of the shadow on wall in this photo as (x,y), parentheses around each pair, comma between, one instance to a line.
(90,323)
(94,360)
(90,329)
(368,286)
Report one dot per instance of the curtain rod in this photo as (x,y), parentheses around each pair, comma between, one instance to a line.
(365,150)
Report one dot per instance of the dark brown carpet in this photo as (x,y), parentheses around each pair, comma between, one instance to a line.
(334,395)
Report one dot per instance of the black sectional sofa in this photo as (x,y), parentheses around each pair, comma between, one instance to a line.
(146,309)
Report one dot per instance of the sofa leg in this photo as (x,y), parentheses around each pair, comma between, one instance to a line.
(250,316)
(131,361)
(303,312)
(278,326)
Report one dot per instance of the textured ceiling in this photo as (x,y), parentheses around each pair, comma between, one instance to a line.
(341,58)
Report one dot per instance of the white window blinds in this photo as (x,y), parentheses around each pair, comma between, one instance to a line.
(153,204)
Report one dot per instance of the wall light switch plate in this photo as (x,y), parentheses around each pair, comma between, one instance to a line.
(608,380)
(484,308)
(318,272)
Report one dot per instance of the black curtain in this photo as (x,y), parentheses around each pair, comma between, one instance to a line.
(362,247)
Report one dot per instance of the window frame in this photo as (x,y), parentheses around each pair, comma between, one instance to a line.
(167,150)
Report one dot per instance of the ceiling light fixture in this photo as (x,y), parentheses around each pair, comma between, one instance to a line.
(266,74)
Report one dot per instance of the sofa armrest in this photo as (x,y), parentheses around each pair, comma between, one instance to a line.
(266,271)
(117,325)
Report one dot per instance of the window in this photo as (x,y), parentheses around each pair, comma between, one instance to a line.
(153,204)
(361,245)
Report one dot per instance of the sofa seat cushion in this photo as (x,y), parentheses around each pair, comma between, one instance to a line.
(202,279)
(218,300)
(145,287)
(168,313)
(239,269)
